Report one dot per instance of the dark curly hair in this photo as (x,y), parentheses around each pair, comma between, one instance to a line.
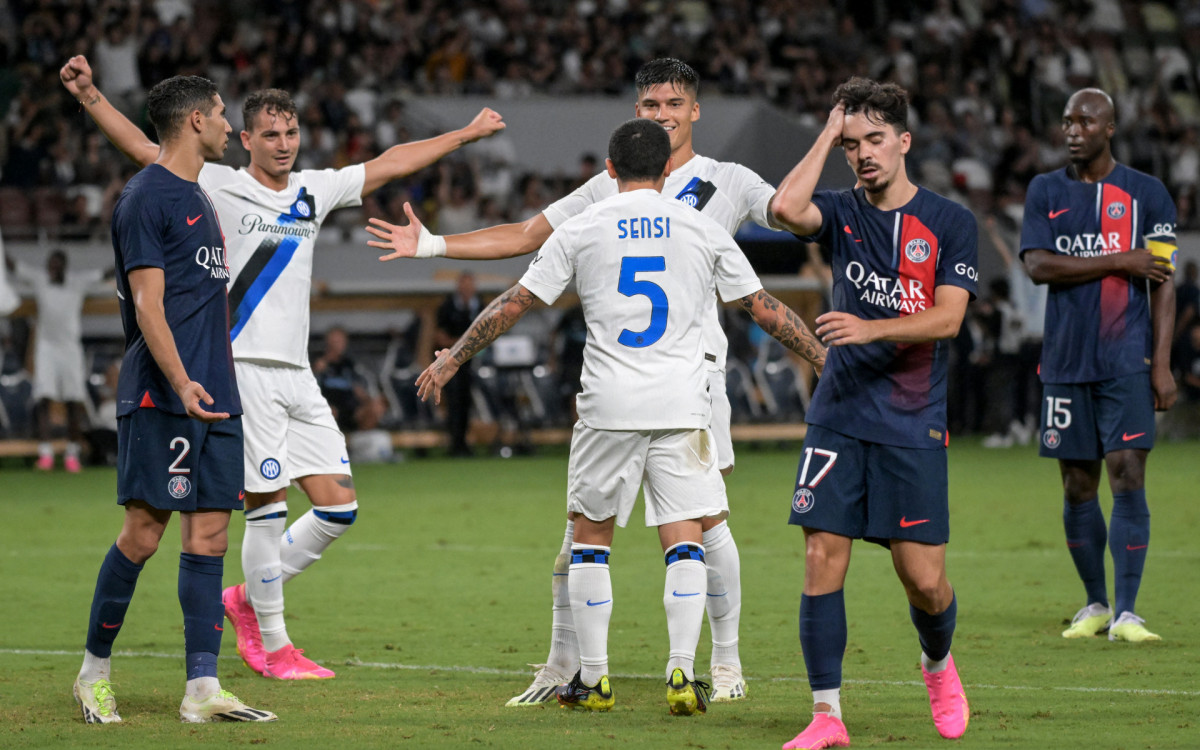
(885,103)
(170,102)
(272,101)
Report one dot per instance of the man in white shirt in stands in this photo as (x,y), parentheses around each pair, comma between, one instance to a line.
(270,217)
(645,268)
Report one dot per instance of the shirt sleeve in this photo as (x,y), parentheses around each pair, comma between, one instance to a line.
(958,256)
(1036,233)
(335,188)
(826,202)
(594,190)
(755,194)
(1160,216)
(138,231)
(734,275)
(552,269)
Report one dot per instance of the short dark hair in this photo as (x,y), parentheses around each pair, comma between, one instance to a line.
(639,149)
(667,70)
(272,101)
(885,103)
(170,102)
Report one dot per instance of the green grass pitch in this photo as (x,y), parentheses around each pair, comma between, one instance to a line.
(433,603)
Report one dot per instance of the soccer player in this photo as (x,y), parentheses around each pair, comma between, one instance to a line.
(1106,358)
(179,433)
(874,461)
(645,411)
(58,369)
(271,217)
(725,192)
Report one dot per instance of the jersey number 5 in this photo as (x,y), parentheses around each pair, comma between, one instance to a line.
(631,287)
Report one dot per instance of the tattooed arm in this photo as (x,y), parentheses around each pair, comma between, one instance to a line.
(785,326)
(496,318)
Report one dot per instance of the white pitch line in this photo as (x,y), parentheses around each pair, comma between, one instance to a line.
(629,676)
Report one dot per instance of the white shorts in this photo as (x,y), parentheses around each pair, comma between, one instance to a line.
(677,468)
(722,414)
(289,428)
(58,373)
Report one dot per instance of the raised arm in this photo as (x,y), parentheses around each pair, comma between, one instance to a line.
(407,158)
(76,76)
(491,243)
(496,318)
(792,207)
(146,285)
(784,326)
(1046,267)
(941,321)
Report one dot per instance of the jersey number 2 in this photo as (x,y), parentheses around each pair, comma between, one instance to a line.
(630,286)
(183,443)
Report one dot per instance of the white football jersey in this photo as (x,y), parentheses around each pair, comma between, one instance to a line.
(726,192)
(645,267)
(269,239)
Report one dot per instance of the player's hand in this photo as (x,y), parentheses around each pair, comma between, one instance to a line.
(841,329)
(401,241)
(488,122)
(1165,389)
(434,378)
(1144,264)
(836,123)
(76,75)
(192,394)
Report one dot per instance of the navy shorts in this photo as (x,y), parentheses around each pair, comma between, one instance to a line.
(871,491)
(1086,421)
(174,462)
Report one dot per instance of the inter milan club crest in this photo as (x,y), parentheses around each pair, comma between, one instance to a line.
(305,207)
(917,250)
(1115,210)
(1051,439)
(802,501)
(270,468)
(179,487)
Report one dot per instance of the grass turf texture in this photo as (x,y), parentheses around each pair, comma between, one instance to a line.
(432,604)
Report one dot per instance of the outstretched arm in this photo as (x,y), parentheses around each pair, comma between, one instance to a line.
(785,326)
(491,243)
(76,76)
(792,207)
(496,318)
(407,158)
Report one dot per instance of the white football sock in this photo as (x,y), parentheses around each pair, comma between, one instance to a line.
(833,697)
(203,687)
(264,571)
(683,598)
(933,667)
(591,607)
(564,644)
(724,595)
(94,668)
(311,534)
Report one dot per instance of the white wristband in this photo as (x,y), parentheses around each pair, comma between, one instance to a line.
(430,245)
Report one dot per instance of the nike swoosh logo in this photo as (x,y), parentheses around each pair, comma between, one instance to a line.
(591,603)
(846,228)
(904,523)
(276,578)
(106,626)
(345,460)
(1058,213)
(192,221)
(1131,548)
(723,593)
(242,495)
(218,627)
(676,593)
(1127,437)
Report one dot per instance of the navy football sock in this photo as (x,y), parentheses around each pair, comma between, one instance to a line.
(1128,541)
(1086,534)
(935,631)
(823,638)
(203,611)
(114,588)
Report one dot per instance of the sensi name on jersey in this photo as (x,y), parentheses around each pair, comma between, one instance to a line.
(643,227)
(1088,245)
(884,291)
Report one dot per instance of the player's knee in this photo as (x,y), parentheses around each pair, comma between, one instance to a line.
(137,548)
(1126,472)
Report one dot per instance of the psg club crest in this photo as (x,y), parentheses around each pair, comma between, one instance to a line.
(1051,439)
(802,501)
(1115,210)
(918,250)
(179,487)
(269,468)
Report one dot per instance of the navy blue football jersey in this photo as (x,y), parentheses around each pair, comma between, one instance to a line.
(888,264)
(164,221)
(1101,329)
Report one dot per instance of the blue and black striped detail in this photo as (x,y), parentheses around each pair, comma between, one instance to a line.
(344,517)
(684,552)
(256,279)
(589,555)
(697,193)
(277,514)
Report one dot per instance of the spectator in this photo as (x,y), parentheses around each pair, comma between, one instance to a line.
(454,317)
(345,387)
